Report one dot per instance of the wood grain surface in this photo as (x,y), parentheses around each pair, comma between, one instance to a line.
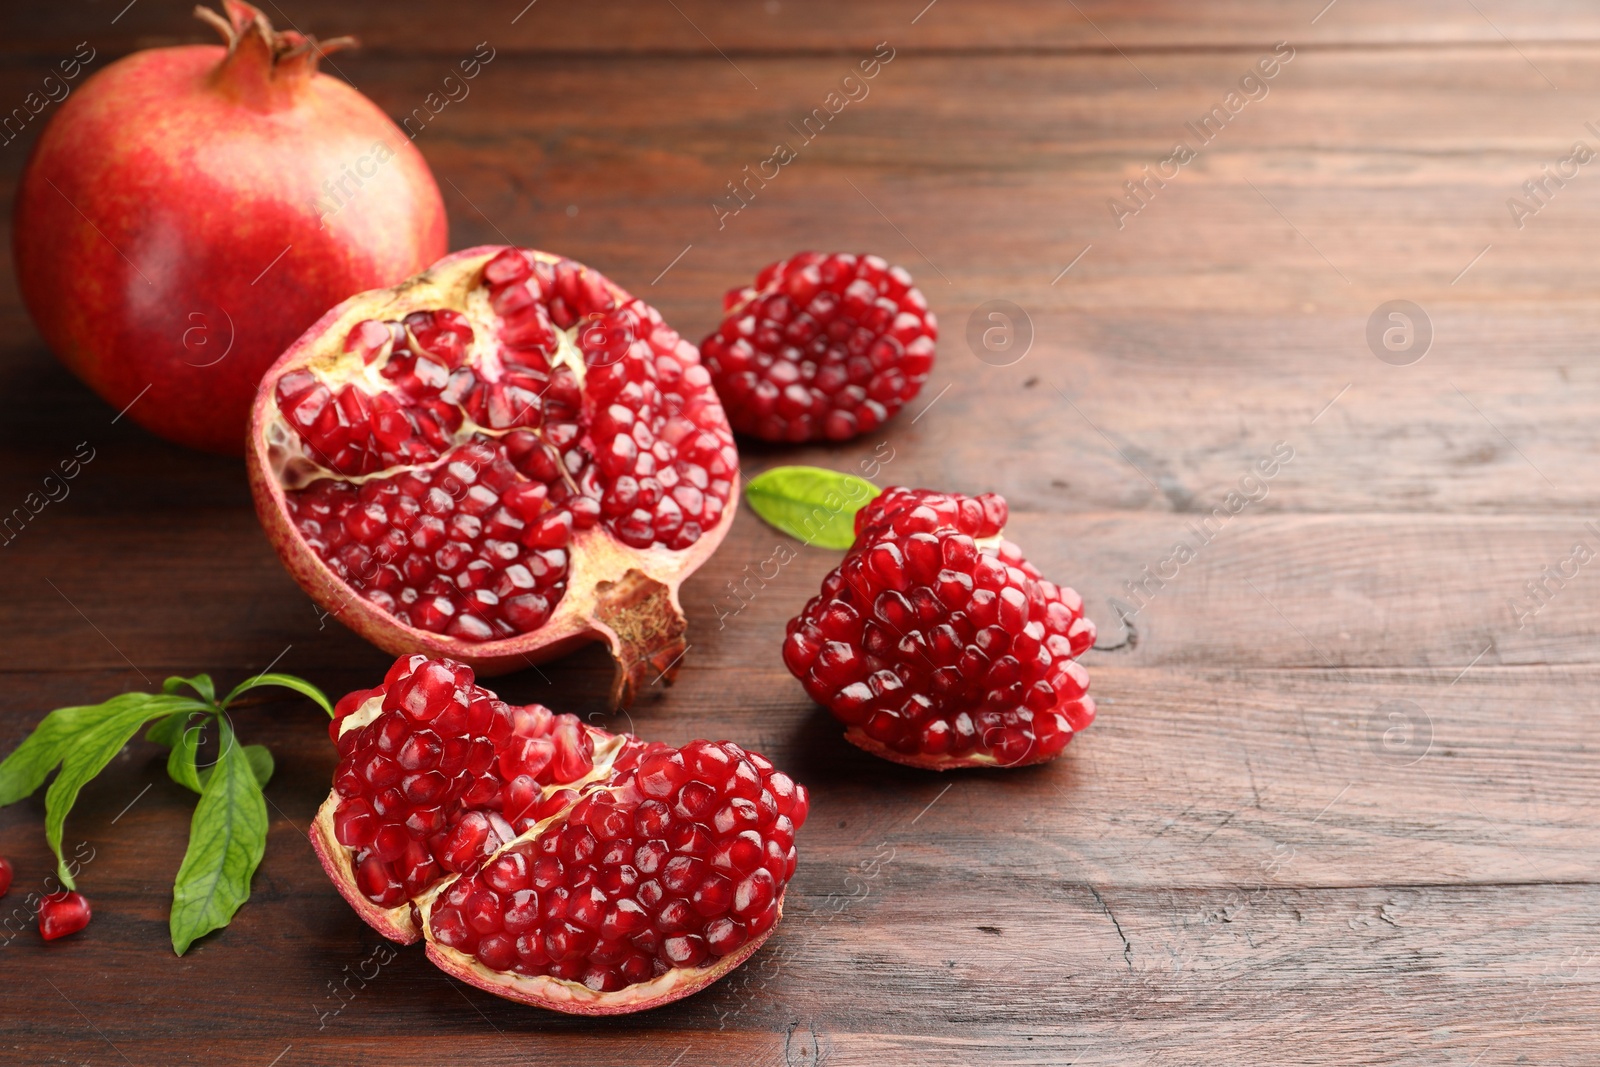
(1242,861)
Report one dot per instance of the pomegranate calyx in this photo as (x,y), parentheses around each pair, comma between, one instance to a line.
(264,69)
(645,627)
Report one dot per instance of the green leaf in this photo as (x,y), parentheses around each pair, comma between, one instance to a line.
(227,839)
(200,683)
(181,761)
(169,730)
(260,763)
(815,505)
(288,681)
(26,768)
(85,752)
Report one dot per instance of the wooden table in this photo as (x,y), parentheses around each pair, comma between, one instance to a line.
(1247,859)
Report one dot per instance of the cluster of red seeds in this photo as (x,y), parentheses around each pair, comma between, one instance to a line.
(676,865)
(821,346)
(639,445)
(444,775)
(935,646)
(465,548)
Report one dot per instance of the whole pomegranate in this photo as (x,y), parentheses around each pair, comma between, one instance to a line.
(499,459)
(938,645)
(547,861)
(191,210)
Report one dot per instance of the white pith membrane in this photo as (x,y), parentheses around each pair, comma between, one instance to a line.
(400,923)
(295,467)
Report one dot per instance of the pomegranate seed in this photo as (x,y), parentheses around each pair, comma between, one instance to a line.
(63,913)
(5,876)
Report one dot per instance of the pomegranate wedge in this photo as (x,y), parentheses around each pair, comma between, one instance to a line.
(547,861)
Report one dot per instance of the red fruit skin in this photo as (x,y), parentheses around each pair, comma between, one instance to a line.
(62,914)
(155,203)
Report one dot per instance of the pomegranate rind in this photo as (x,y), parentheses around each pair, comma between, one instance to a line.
(396,924)
(575,998)
(599,563)
(931,762)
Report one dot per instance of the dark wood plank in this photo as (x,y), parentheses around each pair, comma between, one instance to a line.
(702,27)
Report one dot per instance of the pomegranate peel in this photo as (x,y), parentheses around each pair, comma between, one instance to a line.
(547,861)
(574,458)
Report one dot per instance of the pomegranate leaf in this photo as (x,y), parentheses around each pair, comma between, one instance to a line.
(228,833)
(168,731)
(87,750)
(287,681)
(815,505)
(25,770)
(200,683)
(181,760)
(261,764)
(227,839)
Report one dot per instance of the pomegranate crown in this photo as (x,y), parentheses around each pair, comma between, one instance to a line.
(264,67)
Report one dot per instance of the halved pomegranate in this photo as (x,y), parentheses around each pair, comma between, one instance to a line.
(547,861)
(495,461)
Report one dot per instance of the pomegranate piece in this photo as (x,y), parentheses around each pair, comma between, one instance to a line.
(821,346)
(938,645)
(502,458)
(548,861)
(172,311)
(63,913)
(5,876)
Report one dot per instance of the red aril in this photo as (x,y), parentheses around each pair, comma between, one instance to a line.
(5,876)
(938,645)
(63,913)
(190,211)
(547,861)
(499,459)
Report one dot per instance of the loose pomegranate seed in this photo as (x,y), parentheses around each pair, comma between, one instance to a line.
(447,458)
(62,913)
(671,866)
(821,347)
(938,644)
(5,876)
